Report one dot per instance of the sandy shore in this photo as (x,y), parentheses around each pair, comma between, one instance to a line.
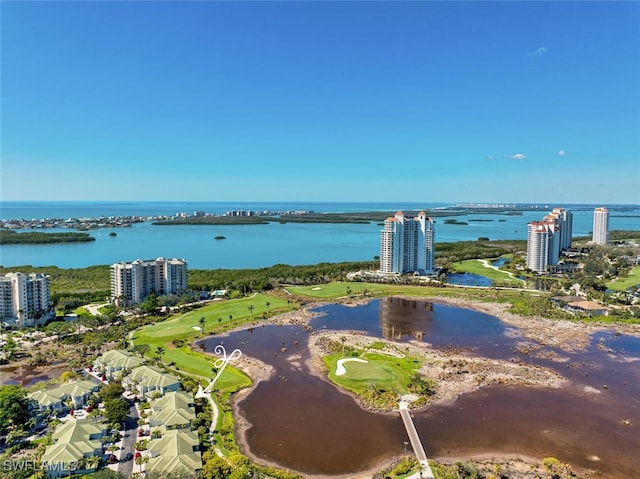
(456,371)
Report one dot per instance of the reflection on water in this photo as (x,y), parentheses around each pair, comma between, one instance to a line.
(306,424)
(401,317)
(27,375)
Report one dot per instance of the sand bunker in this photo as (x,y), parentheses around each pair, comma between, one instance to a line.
(340,370)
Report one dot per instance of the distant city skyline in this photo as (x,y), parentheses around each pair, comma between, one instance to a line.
(506,102)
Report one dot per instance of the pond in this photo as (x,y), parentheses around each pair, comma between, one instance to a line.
(304,423)
(27,375)
(500,262)
(468,279)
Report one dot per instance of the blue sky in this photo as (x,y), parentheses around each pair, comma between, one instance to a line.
(321,101)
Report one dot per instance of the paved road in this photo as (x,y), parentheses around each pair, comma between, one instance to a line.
(130,435)
(416,444)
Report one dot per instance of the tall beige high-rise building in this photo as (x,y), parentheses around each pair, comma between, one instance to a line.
(132,282)
(407,244)
(601,225)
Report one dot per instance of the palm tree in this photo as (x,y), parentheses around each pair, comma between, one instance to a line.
(201,321)
(140,460)
(251,308)
(230,317)
(267,304)
(160,352)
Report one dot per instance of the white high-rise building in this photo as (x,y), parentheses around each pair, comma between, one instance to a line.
(601,225)
(24,299)
(538,233)
(546,239)
(407,244)
(132,282)
(565,218)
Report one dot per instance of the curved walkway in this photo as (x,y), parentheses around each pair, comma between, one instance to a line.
(486,264)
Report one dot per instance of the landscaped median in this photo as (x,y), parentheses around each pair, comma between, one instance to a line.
(170,340)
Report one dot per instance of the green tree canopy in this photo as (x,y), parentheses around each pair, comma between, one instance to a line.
(110,391)
(116,410)
(14,408)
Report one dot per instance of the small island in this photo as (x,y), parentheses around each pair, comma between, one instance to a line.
(219,237)
(113,233)
(455,222)
(12,237)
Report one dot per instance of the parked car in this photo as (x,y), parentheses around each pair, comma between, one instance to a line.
(127,457)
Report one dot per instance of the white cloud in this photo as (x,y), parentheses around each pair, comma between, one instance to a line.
(516,156)
(490,157)
(562,152)
(538,52)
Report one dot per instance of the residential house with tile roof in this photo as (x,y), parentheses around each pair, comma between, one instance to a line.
(72,395)
(116,360)
(77,448)
(176,450)
(146,380)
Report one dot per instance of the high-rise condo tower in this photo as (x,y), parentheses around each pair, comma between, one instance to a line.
(407,244)
(601,225)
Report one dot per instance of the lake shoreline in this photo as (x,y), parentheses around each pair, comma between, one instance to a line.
(565,335)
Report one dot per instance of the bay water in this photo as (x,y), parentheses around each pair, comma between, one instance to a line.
(256,246)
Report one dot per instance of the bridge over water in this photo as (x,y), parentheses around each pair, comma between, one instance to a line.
(416,443)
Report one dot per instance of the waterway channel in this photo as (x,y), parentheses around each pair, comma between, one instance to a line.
(304,423)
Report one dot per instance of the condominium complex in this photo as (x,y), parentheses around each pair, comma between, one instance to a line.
(601,225)
(407,244)
(546,239)
(24,299)
(132,282)
(564,219)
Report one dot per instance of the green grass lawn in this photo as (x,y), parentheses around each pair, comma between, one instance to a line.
(384,372)
(217,316)
(380,381)
(622,284)
(476,266)
(339,290)
(82,312)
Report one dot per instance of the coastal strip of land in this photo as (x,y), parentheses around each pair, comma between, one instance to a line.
(37,237)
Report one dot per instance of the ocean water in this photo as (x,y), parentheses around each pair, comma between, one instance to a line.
(256,246)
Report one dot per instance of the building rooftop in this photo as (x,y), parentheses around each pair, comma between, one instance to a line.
(589,306)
